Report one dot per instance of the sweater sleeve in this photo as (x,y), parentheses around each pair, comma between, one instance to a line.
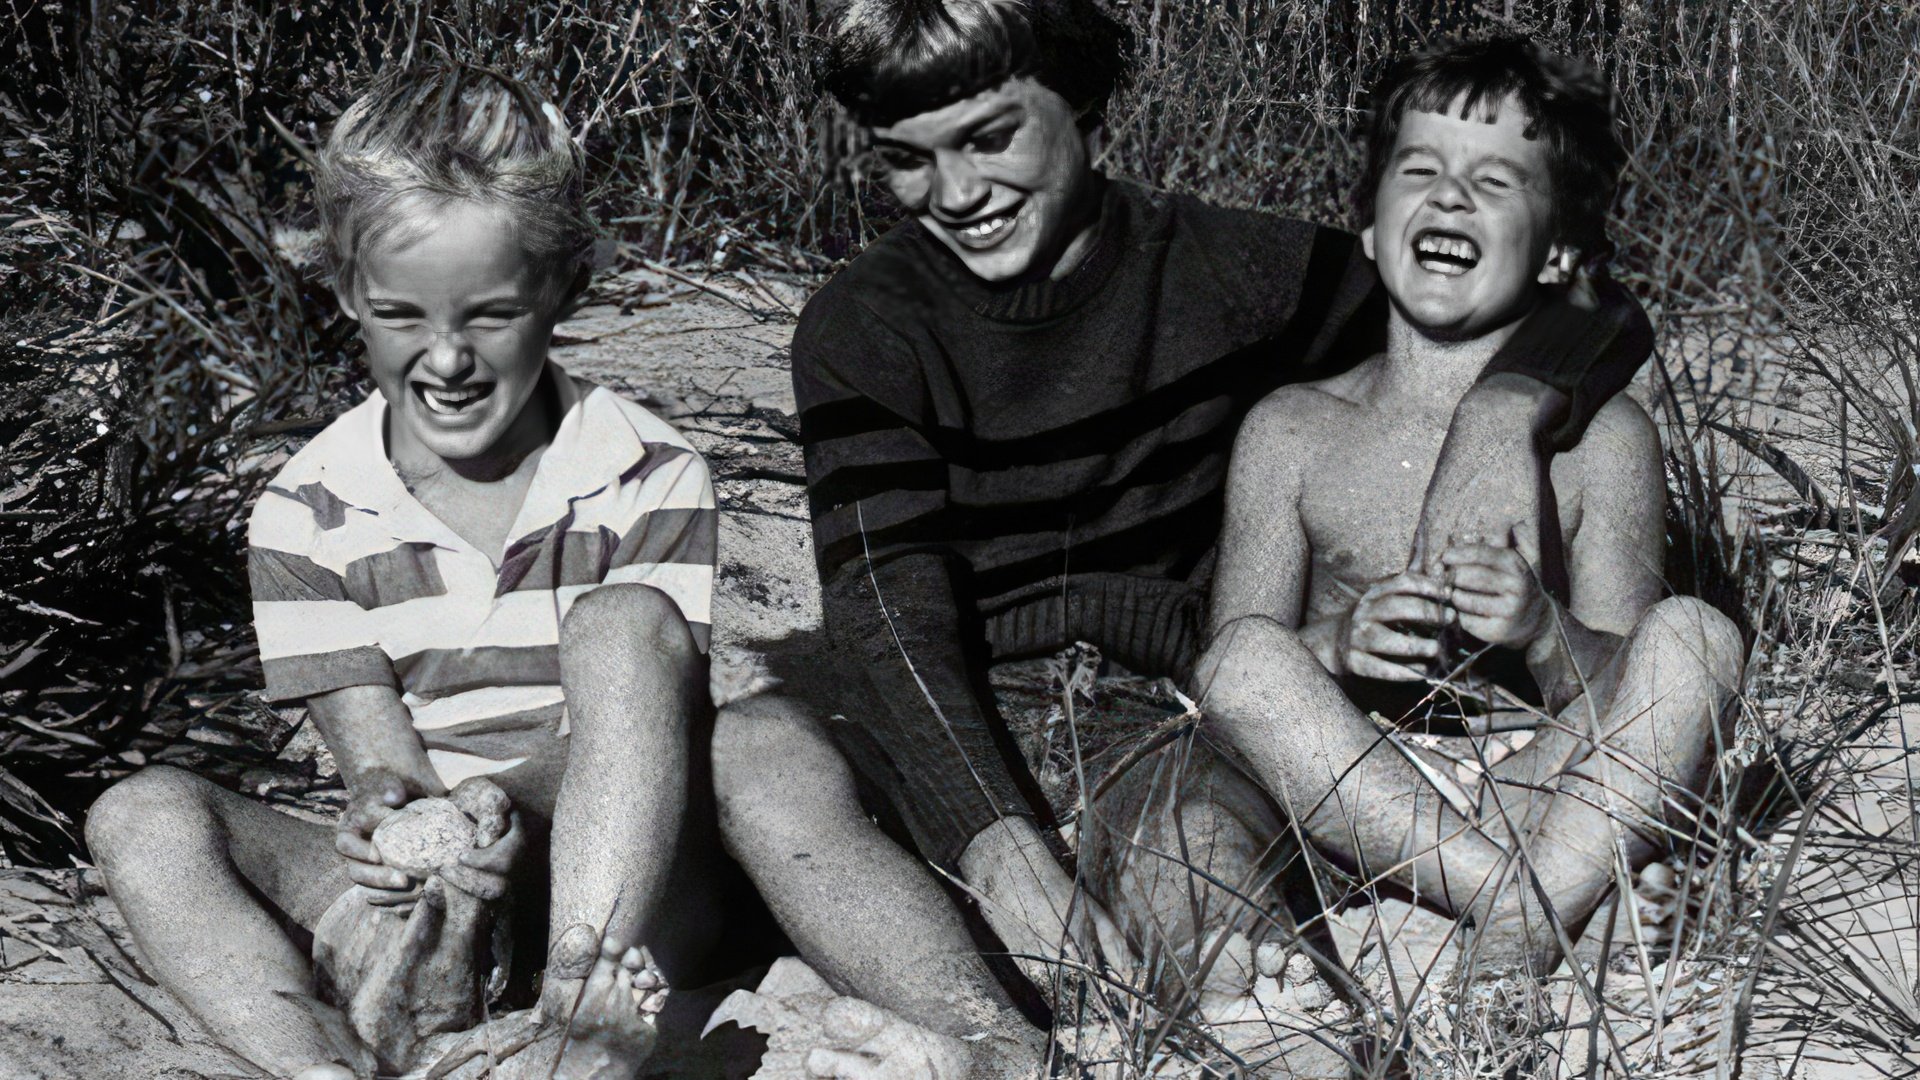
(1587,354)
(877,491)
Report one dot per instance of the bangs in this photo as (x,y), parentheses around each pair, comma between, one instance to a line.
(928,55)
(1480,94)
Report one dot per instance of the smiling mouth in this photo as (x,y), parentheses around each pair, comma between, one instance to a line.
(452,400)
(987,231)
(1446,253)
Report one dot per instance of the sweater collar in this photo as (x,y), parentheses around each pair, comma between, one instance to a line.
(1038,301)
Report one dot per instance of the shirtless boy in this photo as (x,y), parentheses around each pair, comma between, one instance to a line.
(486,568)
(1491,168)
(1017,409)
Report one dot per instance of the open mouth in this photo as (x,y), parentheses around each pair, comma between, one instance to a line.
(987,231)
(1448,253)
(452,400)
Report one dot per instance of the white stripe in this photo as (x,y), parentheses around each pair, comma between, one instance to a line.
(689,584)
(454,766)
(482,703)
(466,621)
(285,524)
(302,627)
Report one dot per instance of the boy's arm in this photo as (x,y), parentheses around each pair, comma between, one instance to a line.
(1614,557)
(1538,394)
(1263,548)
(877,491)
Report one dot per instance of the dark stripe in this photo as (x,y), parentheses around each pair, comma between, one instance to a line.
(328,511)
(989,508)
(845,417)
(546,716)
(497,745)
(531,557)
(293,677)
(657,455)
(280,575)
(434,673)
(1174,544)
(395,576)
(870,481)
(678,535)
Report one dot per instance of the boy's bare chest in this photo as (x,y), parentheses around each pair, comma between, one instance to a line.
(1360,501)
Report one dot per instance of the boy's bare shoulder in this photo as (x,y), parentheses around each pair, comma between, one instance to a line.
(1305,410)
(1622,427)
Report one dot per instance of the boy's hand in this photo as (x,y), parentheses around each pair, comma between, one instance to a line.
(1375,643)
(487,869)
(1496,592)
(379,795)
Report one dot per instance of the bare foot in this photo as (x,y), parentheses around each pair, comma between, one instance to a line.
(607,1011)
(867,1042)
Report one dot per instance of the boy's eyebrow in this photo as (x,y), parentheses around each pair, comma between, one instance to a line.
(972,125)
(1490,159)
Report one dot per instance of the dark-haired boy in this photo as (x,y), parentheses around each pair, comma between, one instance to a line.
(1491,166)
(1017,410)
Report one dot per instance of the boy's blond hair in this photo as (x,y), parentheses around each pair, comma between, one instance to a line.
(447,132)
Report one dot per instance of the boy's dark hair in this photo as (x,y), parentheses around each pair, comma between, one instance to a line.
(1567,103)
(891,59)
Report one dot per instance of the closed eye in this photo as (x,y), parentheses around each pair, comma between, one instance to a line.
(991,142)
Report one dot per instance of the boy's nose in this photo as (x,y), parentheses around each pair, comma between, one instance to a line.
(1448,193)
(958,188)
(447,354)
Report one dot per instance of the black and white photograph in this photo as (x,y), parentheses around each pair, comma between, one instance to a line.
(959,539)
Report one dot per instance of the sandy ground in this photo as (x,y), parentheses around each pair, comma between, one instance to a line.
(74,1002)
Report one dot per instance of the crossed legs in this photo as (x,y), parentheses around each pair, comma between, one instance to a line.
(1558,810)
(210,882)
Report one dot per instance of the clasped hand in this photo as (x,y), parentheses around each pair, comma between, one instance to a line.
(482,872)
(1486,588)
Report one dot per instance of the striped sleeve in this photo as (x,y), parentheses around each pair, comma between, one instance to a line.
(313,637)
(876,486)
(672,544)
(877,490)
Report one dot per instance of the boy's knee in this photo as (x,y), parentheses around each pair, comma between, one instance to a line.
(1686,626)
(146,804)
(626,616)
(1242,658)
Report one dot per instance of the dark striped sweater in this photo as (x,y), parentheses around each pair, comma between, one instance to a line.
(999,472)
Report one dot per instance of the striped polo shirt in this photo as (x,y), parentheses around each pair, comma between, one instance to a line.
(355,583)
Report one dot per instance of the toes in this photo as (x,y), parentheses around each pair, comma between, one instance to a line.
(573,952)
(851,1022)
(841,1065)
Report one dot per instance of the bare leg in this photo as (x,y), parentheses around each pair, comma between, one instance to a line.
(193,868)
(1594,784)
(860,909)
(629,666)
(1329,769)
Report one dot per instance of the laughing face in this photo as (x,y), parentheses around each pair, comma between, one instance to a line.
(1462,220)
(456,323)
(1001,178)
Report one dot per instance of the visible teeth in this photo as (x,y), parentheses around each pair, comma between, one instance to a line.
(1447,246)
(450,401)
(986,228)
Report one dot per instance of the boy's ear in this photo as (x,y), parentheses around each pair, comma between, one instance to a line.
(344,294)
(1366,241)
(576,288)
(1561,261)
